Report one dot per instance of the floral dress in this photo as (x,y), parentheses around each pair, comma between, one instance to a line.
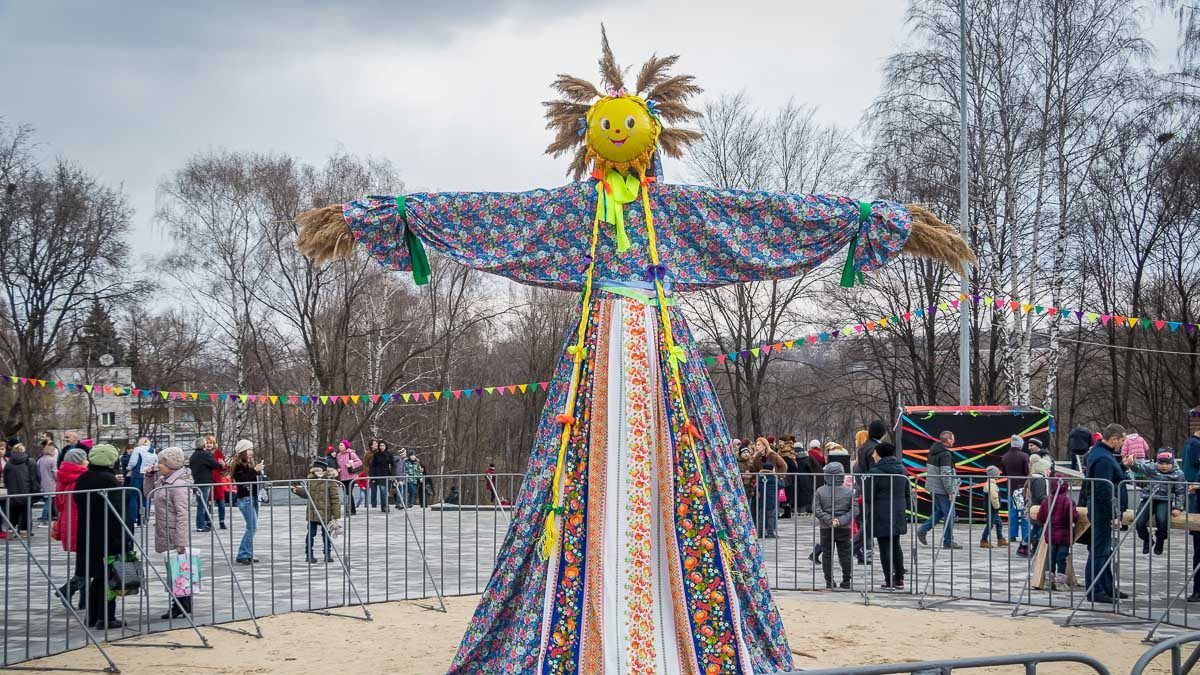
(656,569)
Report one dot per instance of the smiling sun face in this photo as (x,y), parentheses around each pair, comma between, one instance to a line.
(621,132)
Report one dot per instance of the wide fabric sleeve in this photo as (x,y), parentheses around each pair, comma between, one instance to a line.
(539,237)
(713,236)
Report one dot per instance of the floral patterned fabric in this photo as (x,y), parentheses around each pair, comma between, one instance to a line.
(706,237)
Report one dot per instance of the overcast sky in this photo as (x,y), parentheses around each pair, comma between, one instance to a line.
(449,90)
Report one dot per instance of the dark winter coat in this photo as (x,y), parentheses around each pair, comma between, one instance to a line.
(247,481)
(1190,459)
(1014,463)
(100,526)
(1079,440)
(20,475)
(203,466)
(1166,486)
(806,480)
(382,465)
(1102,465)
(865,459)
(1058,507)
(886,497)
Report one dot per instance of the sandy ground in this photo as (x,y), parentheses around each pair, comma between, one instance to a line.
(407,638)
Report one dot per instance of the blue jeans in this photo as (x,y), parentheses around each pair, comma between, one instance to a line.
(1099,553)
(312,534)
(414,494)
(379,487)
(249,508)
(47,508)
(1058,558)
(1018,524)
(993,518)
(203,521)
(943,508)
(134,503)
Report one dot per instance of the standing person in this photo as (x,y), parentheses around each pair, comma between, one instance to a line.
(412,469)
(835,510)
(806,482)
(1079,442)
(766,465)
(102,535)
(146,462)
(379,467)
(204,468)
(743,461)
(71,439)
(866,450)
(1035,492)
(400,473)
(246,473)
(1057,514)
(47,468)
(21,481)
(1104,510)
(1015,462)
(66,527)
(348,466)
(171,515)
(991,496)
(490,477)
(1135,446)
(1191,473)
(787,450)
(887,496)
(324,510)
(1165,492)
(942,483)
(222,489)
(863,461)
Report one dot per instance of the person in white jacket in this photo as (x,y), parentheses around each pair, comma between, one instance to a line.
(143,462)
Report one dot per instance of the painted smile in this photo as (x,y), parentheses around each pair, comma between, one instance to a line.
(618,141)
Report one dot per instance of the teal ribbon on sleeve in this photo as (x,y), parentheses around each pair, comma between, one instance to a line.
(851,275)
(416,250)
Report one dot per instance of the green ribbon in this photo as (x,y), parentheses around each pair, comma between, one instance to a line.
(850,273)
(416,251)
(613,193)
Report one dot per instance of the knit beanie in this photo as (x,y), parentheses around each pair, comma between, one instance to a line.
(876,430)
(1016,441)
(993,472)
(172,458)
(103,455)
(242,445)
(75,456)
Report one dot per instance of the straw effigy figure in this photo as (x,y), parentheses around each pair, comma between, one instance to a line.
(631,548)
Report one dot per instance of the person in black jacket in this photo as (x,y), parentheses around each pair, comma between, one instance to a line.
(203,466)
(21,481)
(1106,473)
(101,532)
(887,497)
(380,466)
(1079,442)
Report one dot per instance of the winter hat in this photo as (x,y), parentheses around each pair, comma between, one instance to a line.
(75,456)
(242,445)
(13,442)
(993,472)
(814,443)
(320,463)
(876,430)
(1165,455)
(199,444)
(103,455)
(885,450)
(172,458)
(1034,445)
(834,469)
(87,443)
(1016,441)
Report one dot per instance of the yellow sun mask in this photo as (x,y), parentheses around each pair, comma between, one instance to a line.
(621,134)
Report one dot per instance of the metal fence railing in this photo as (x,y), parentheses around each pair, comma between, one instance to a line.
(424,538)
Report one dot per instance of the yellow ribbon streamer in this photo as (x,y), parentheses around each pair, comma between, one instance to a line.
(614,192)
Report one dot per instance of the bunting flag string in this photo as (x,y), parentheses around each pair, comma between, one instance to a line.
(956,303)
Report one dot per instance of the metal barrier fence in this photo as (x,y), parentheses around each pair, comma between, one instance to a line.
(1029,662)
(435,536)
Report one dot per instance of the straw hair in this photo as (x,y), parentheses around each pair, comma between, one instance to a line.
(929,237)
(324,234)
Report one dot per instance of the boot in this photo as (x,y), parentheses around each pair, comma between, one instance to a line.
(1159,542)
(985,544)
(1001,541)
(1023,551)
(1145,547)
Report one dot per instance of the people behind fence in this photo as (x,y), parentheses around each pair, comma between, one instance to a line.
(349,464)
(766,465)
(887,498)
(324,509)
(143,463)
(204,467)
(1163,495)
(102,535)
(1057,516)
(246,473)
(47,470)
(65,528)
(172,500)
(1079,443)
(1105,506)
(379,468)
(1014,464)
(1036,489)
(835,510)
(941,482)
(991,507)
(222,488)
(1190,459)
(21,482)
(787,450)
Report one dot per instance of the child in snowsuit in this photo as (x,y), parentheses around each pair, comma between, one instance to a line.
(1058,515)
(324,512)
(1165,492)
(835,509)
(991,492)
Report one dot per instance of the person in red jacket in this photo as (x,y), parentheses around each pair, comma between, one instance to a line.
(66,528)
(223,487)
(1058,509)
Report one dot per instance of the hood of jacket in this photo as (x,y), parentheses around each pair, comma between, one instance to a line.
(890,464)
(180,476)
(18,458)
(70,472)
(320,472)
(834,474)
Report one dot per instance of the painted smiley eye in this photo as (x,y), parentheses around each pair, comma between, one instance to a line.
(605,124)
(629,122)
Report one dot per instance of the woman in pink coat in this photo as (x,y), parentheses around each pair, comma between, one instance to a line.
(171,511)
(348,465)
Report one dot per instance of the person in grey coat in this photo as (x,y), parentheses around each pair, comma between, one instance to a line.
(943,485)
(835,509)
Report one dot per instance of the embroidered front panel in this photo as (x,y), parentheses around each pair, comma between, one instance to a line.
(639,616)
(591,658)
